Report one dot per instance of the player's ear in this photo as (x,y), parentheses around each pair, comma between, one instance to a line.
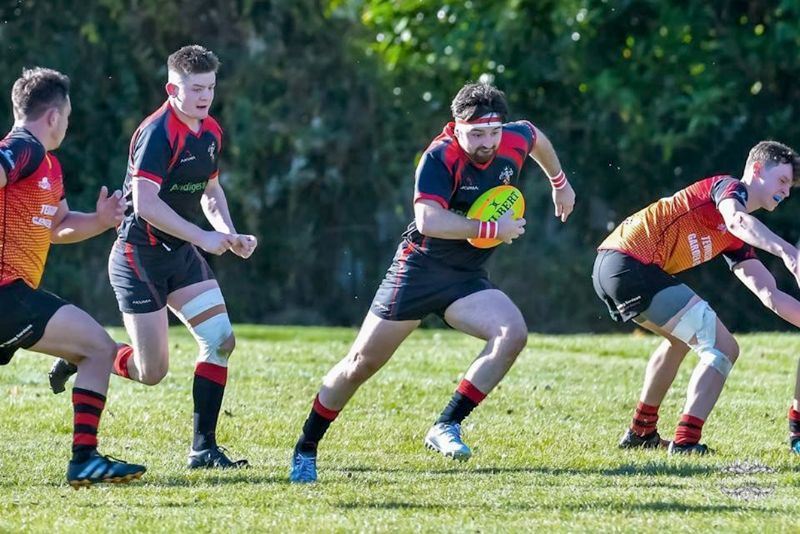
(172,89)
(52,116)
(756,169)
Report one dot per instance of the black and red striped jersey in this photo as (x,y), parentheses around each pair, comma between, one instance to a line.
(28,203)
(165,151)
(447,175)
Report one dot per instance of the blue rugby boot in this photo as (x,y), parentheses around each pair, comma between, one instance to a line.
(795,443)
(304,467)
(97,468)
(445,438)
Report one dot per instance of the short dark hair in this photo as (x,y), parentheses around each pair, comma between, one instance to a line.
(772,153)
(477,99)
(193,59)
(37,90)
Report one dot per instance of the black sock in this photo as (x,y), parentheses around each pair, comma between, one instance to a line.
(317,423)
(207,392)
(459,407)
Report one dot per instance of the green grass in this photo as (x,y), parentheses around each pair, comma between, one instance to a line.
(544,443)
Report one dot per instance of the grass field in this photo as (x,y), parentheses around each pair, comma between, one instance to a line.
(544,443)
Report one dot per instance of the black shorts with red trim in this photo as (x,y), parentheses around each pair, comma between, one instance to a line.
(416,286)
(26,312)
(143,276)
(626,285)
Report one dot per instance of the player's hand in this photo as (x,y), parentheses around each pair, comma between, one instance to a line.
(216,242)
(110,209)
(509,228)
(244,245)
(564,201)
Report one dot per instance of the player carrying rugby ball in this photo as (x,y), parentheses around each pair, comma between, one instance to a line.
(436,270)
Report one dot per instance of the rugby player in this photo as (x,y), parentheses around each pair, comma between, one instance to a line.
(435,269)
(634,275)
(33,214)
(173,171)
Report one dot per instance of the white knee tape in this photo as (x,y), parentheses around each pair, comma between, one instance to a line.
(202,302)
(211,333)
(717,360)
(700,323)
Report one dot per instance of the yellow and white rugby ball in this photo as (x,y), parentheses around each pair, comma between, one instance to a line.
(491,205)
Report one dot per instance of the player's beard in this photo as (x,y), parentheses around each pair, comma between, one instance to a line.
(482,156)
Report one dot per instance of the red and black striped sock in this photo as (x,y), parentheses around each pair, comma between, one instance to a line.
(317,423)
(689,430)
(461,404)
(645,419)
(124,352)
(207,392)
(794,425)
(88,407)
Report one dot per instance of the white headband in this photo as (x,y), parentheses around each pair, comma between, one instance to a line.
(490,120)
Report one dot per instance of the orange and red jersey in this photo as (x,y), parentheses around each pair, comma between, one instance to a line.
(684,230)
(28,203)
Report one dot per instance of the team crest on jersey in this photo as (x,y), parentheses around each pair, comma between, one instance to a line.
(212,148)
(44,183)
(506,175)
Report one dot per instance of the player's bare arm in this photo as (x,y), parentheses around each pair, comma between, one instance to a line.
(148,205)
(563,195)
(215,207)
(433,220)
(3,179)
(74,226)
(757,278)
(753,232)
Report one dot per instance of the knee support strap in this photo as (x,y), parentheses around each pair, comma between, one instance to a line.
(700,323)
(210,329)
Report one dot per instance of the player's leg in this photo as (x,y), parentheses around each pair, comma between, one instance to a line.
(696,325)
(492,316)
(63,330)
(138,276)
(377,341)
(794,415)
(146,359)
(201,307)
(718,351)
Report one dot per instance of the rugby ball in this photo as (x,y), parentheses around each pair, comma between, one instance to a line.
(491,205)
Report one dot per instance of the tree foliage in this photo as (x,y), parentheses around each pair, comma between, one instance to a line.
(326,105)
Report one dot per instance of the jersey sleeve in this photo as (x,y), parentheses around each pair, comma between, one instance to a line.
(433,181)
(150,155)
(20,158)
(729,187)
(529,132)
(739,253)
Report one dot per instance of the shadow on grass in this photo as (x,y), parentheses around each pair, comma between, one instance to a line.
(651,468)
(659,506)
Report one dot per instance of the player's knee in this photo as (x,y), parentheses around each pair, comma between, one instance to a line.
(227,346)
(361,367)
(100,345)
(150,375)
(514,339)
